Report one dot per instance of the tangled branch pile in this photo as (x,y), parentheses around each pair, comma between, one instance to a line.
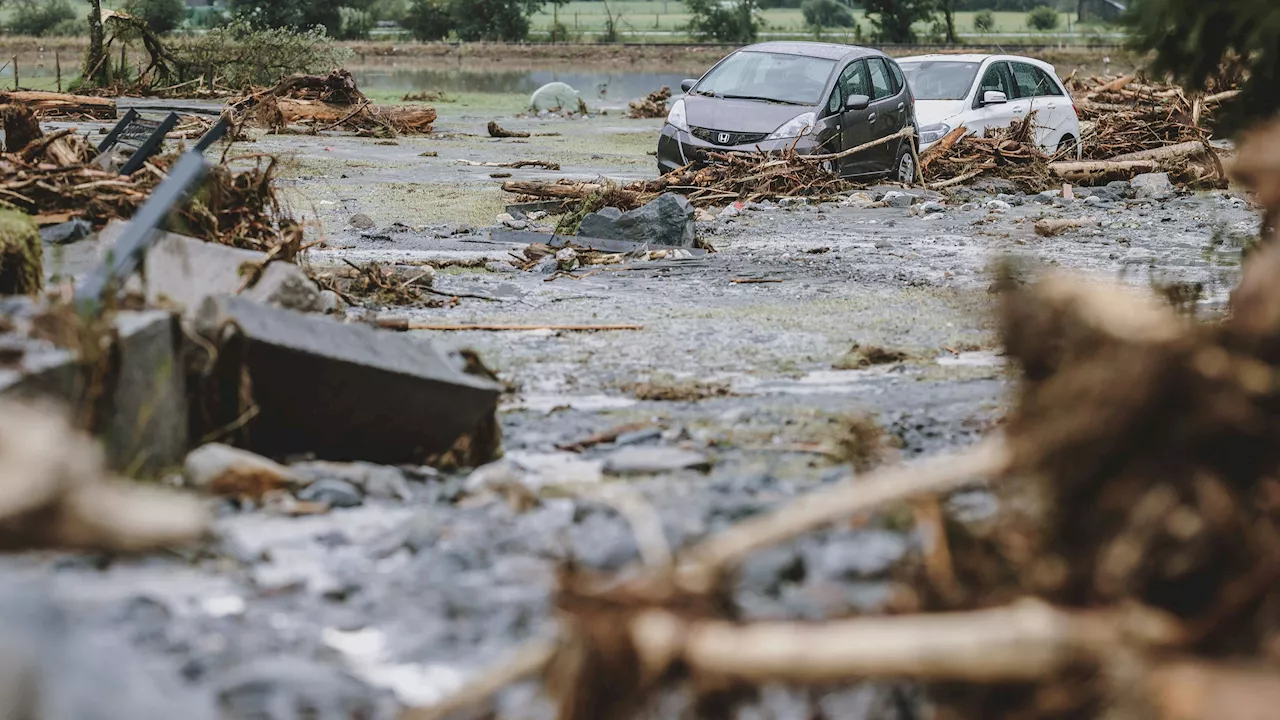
(51,178)
(378,285)
(749,177)
(654,105)
(1010,153)
(328,102)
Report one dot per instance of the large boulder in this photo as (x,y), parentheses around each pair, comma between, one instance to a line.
(555,96)
(667,220)
(1152,186)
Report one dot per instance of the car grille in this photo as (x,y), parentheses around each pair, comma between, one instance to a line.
(713,136)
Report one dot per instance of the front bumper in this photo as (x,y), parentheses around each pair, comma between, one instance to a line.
(677,148)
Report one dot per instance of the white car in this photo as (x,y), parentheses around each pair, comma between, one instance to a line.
(991,91)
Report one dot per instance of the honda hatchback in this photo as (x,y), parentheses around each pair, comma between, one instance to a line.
(817,98)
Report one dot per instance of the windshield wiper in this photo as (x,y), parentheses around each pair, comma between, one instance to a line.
(762,99)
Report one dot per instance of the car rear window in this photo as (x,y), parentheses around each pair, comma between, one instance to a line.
(940,79)
(776,77)
(880,79)
(1033,82)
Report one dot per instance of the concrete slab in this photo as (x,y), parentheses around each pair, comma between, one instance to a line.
(338,391)
(145,425)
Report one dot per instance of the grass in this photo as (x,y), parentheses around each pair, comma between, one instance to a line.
(636,18)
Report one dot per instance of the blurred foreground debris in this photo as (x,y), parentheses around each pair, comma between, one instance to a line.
(331,102)
(55,492)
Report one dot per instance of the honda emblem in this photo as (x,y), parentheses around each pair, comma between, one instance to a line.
(723,138)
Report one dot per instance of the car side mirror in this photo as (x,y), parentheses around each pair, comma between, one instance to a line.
(687,85)
(857,102)
(994,97)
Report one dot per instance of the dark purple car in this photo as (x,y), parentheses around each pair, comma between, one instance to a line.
(816,97)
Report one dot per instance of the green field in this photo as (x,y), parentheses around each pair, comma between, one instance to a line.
(647,20)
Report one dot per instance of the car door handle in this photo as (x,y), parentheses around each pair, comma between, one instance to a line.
(871,118)
(902,106)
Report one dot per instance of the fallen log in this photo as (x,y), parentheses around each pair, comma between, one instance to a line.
(1168,152)
(1098,169)
(51,104)
(942,147)
(497,131)
(1056,226)
(580,191)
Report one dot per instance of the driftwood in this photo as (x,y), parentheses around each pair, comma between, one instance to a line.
(1050,227)
(497,131)
(1169,152)
(1098,170)
(54,105)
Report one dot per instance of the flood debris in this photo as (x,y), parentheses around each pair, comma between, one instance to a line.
(677,390)
(230,472)
(497,131)
(653,105)
(865,356)
(329,102)
(55,492)
(377,285)
(514,164)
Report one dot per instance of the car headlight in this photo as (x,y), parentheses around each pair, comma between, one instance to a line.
(676,118)
(795,127)
(933,133)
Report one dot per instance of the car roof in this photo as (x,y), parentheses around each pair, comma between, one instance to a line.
(979,57)
(829,51)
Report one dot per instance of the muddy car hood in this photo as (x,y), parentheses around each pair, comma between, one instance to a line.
(741,116)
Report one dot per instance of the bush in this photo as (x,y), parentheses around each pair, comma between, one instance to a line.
(738,22)
(243,54)
(827,13)
(32,17)
(1043,19)
(984,22)
(428,20)
(162,16)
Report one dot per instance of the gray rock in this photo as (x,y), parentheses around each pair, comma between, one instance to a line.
(360,221)
(1048,196)
(555,96)
(376,481)
(862,554)
(1121,188)
(547,266)
(331,302)
(217,467)
(729,212)
(332,492)
(498,266)
(285,285)
(933,206)
(1152,186)
(653,460)
(898,199)
(998,206)
(968,207)
(668,220)
(292,688)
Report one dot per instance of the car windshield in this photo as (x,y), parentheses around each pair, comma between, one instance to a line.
(940,79)
(773,77)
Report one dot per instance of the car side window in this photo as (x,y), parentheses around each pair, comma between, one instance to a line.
(1027,80)
(880,79)
(853,81)
(996,80)
(899,81)
(1046,86)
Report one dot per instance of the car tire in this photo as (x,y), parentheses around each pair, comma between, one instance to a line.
(904,166)
(1069,147)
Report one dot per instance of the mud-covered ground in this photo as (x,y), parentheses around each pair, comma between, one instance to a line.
(434,575)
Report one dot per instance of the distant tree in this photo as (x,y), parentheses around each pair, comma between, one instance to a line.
(894,19)
(290,13)
(984,22)
(96,72)
(735,22)
(354,23)
(1196,41)
(948,8)
(34,17)
(826,13)
(1043,19)
(162,16)
(428,20)
(504,20)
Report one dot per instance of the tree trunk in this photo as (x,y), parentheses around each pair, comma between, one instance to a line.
(95,62)
(949,10)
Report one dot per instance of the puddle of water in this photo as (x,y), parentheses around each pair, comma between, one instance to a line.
(820,382)
(591,85)
(547,403)
(981,358)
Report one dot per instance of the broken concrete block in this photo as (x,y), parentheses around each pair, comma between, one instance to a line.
(182,271)
(337,391)
(145,425)
(285,285)
(668,220)
(230,472)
